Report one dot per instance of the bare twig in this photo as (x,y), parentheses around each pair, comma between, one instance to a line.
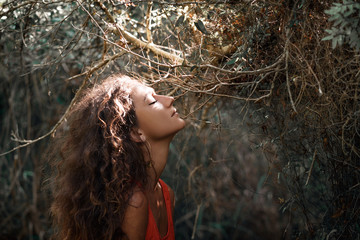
(287,72)
(117,29)
(88,74)
(28,142)
(90,15)
(27,3)
(254,72)
(191,175)
(148,21)
(152,47)
(196,220)
(311,168)
(199,107)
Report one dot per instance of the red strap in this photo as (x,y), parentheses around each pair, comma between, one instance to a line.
(152,231)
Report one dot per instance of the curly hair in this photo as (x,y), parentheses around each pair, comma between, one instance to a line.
(99,164)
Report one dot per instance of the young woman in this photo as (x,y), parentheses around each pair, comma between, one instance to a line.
(112,155)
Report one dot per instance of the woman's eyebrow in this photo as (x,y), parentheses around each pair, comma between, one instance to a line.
(146,96)
(150,92)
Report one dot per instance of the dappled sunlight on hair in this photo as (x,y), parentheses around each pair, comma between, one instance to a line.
(99,163)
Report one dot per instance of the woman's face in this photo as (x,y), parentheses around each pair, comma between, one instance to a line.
(157,118)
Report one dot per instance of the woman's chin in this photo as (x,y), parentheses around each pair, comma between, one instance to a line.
(184,123)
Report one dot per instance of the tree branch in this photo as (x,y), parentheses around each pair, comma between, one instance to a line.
(118,30)
(148,22)
(88,74)
(287,71)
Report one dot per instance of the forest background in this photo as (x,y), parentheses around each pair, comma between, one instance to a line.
(270,91)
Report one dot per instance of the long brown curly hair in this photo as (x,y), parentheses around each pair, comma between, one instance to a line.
(99,164)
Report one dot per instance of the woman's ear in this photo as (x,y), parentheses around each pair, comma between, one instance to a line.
(137,135)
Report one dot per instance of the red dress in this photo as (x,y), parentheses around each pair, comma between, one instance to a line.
(152,231)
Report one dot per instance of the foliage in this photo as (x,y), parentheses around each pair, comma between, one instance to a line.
(247,77)
(220,187)
(346,27)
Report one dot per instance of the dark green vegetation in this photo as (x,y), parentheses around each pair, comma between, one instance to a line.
(270,89)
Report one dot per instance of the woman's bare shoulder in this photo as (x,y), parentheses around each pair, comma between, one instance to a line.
(136,216)
(138,198)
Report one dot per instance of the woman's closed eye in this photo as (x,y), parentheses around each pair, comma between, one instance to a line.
(153,102)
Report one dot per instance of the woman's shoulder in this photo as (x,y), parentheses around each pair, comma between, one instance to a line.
(138,198)
(136,215)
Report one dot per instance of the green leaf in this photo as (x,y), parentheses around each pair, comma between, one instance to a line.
(27,174)
(338,22)
(232,61)
(327,38)
(341,40)
(56,19)
(61,100)
(343,9)
(193,68)
(180,20)
(348,13)
(330,31)
(334,17)
(334,42)
(355,23)
(354,36)
(260,183)
(343,24)
(201,27)
(328,12)
(239,67)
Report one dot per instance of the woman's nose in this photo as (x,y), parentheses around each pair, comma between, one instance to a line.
(167,101)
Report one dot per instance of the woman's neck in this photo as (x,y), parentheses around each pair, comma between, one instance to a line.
(159,151)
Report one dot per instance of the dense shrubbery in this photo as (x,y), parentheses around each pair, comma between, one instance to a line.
(271,149)
(346,25)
